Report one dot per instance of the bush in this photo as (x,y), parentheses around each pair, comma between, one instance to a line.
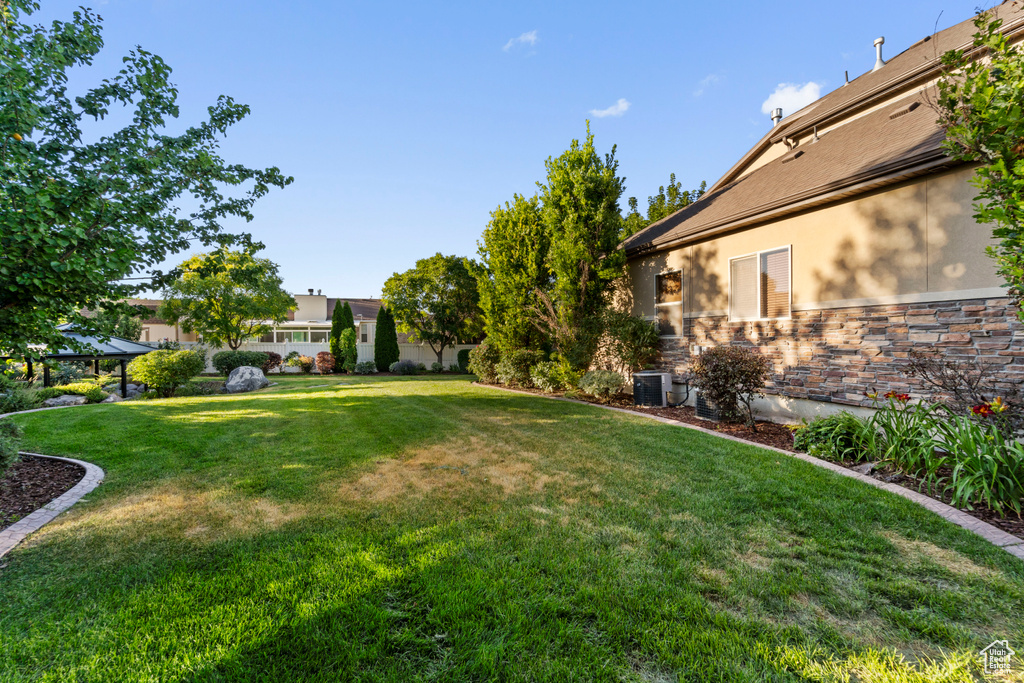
(325,362)
(274,360)
(965,385)
(367,367)
(463,358)
(165,371)
(66,373)
(455,367)
(404,367)
(226,361)
(483,361)
(10,442)
(349,351)
(385,340)
(436,367)
(92,393)
(730,377)
(514,368)
(630,343)
(602,384)
(839,437)
(303,363)
(15,399)
(545,375)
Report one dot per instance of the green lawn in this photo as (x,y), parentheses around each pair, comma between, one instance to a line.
(426,529)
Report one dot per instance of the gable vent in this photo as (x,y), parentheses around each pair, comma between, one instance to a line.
(904,111)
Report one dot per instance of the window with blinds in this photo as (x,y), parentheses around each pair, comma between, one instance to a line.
(759,286)
(669,303)
(775,284)
(743,288)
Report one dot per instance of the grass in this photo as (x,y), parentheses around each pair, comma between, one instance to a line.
(396,529)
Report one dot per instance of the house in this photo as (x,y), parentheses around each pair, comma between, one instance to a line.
(309,323)
(837,244)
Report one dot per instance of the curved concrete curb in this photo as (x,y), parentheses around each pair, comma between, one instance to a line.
(996,536)
(14,534)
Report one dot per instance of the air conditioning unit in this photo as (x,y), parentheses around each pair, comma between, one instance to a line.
(706,410)
(651,389)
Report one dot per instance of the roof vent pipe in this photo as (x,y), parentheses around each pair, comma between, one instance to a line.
(776,116)
(311,291)
(879,62)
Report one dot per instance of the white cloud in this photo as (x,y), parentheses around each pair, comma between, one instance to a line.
(528,38)
(705,83)
(791,97)
(617,109)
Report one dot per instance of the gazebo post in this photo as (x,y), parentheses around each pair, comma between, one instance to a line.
(96,366)
(28,371)
(124,378)
(46,375)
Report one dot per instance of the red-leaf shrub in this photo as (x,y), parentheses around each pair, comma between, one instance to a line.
(325,362)
(274,360)
(729,376)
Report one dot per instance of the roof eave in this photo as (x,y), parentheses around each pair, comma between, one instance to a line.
(884,176)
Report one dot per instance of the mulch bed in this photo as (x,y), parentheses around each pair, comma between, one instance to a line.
(781,436)
(31,483)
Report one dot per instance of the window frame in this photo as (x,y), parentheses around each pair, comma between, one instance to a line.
(682,300)
(757,259)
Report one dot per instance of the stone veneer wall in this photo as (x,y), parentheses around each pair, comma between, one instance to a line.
(836,355)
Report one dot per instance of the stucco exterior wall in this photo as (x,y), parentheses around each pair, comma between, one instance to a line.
(159,331)
(890,246)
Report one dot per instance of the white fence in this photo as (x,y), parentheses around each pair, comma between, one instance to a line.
(417,353)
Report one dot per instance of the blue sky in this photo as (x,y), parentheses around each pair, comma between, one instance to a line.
(405,124)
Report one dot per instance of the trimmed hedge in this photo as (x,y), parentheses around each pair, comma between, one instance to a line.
(463,357)
(226,361)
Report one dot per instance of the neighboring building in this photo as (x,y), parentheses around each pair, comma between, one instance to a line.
(309,323)
(155,329)
(842,240)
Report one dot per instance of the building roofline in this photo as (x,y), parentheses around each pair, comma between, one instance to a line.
(892,174)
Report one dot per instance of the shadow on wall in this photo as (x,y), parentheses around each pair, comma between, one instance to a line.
(706,290)
(890,256)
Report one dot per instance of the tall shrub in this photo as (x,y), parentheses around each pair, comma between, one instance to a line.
(349,352)
(385,342)
(580,211)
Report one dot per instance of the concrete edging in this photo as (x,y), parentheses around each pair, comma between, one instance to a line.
(994,535)
(16,533)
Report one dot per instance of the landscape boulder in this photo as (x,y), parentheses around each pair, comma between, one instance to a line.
(65,400)
(113,398)
(245,378)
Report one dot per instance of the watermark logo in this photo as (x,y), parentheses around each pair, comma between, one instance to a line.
(997,657)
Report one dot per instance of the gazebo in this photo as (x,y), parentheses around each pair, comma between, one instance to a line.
(114,348)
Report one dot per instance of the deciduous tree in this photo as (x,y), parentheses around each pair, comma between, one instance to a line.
(580,210)
(981,108)
(85,219)
(663,204)
(226,296)
(437,301)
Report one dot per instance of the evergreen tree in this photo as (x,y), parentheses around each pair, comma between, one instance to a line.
(385,342)
(348,318)
(337,325)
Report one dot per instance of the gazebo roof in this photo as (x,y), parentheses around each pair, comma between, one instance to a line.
(115,347)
